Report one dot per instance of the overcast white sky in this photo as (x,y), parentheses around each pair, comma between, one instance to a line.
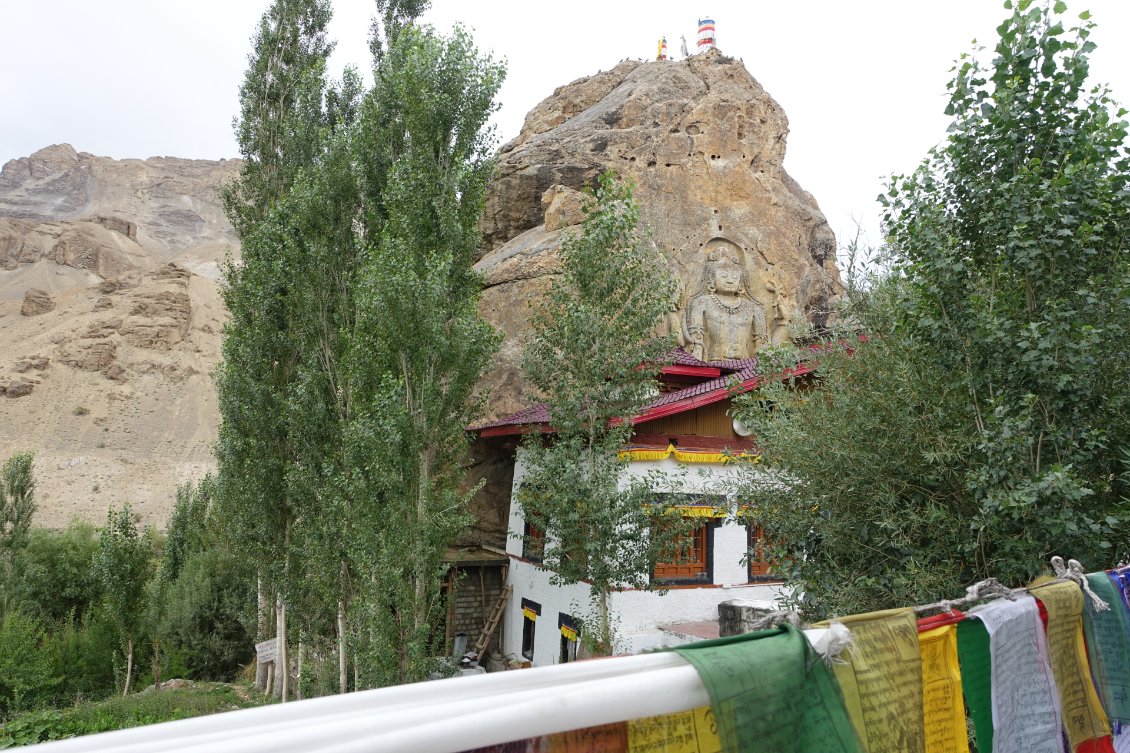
(862,81)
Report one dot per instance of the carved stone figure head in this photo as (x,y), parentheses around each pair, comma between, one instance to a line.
(723,271)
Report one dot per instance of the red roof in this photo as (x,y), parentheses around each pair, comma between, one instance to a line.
(688,398)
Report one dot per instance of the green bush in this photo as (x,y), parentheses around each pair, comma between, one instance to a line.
(208,619)
(27,679)
(87,657)
(54,578)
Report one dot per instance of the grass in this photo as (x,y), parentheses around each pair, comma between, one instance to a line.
(131,711)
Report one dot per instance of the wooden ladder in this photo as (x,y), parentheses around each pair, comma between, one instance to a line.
(492,623)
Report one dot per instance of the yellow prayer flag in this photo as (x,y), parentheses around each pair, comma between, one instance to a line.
(943,707)
(881,681)
(1083,716)
(686,732)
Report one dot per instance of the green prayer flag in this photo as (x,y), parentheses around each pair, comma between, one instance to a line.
(771,692)
(976,679)
(1108,648)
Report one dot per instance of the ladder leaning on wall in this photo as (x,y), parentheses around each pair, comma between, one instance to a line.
(492,623)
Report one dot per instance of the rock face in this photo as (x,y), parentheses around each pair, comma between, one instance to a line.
(36,301)
(110,326)
(164,203)
(705,146)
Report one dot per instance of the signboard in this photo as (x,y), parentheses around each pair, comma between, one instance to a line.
(267,651)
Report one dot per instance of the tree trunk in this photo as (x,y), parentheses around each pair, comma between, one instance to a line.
(262,625)
(129,666)
(604,648)
(269,684)
(282,663)
(298,674)
(342,676)
(156,665)
(420,613)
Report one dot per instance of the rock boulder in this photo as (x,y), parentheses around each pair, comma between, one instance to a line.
(704,145)
(36,302)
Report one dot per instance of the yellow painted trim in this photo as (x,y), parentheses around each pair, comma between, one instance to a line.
(701,511)
(685,456)
(569,633)
(529,614)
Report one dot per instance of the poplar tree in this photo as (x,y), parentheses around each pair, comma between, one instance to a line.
(420,345)
(591,340)
(351,364)
(122,566)
(279,130)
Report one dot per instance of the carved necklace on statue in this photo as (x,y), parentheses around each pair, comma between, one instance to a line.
(732,308)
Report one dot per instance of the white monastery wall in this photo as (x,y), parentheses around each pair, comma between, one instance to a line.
(637,615)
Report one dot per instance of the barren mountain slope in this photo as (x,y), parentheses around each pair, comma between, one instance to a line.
(110,326)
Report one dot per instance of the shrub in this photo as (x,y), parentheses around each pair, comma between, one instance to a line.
(208,621)
(26,676)
(54,577)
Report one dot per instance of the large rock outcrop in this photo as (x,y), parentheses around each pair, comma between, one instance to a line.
(171,203)
(705,146)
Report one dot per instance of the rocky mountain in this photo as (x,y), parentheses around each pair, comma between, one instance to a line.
(705,145)
(110,325)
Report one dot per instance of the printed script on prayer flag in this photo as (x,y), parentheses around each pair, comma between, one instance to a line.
(1083,717)
(881,681)
(943,706)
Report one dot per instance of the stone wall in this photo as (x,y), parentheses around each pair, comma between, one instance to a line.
(476,593)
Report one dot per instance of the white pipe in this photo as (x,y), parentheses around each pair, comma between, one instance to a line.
(379,701)
(443,716)
(587,704)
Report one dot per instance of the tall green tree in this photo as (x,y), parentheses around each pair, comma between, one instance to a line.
(419,347)
(590,338)
(122,565)
(355,346)
(17,501)
(1012,240)
(977,431)
(284,110)
(17,507)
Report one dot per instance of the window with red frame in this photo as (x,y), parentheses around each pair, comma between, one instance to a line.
(533,543)
(692,561)
(760,568)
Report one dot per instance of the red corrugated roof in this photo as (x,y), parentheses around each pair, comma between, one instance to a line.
(689,398)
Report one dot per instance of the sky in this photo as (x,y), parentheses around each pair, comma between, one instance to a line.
(862,82)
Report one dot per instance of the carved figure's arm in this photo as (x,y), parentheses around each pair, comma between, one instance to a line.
(694,328)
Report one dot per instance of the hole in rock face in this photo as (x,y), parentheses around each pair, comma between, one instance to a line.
(667,164)
(631,159)
(693,129)
(715,211)
(651,163)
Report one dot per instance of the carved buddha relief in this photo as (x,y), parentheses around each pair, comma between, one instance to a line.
(722,320)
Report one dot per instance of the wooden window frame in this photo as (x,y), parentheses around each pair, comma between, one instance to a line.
(534,552)
(529,627)
(568,650)
(758,569)
(704,576)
